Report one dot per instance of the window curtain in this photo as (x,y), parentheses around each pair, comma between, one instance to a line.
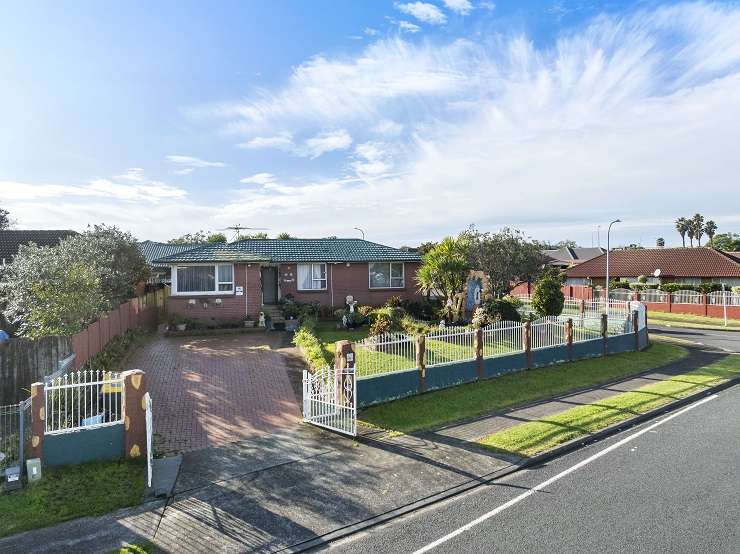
(304,277)
(200,278)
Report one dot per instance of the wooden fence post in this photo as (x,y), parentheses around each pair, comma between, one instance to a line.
(582,308)
(38,420)
(705,301)
(635,330)
(478,348)
(605,332)
(569,337)
(134,389)
(421,362)
(527,341)
(344,358)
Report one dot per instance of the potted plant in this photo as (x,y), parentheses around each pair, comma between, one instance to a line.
(178,322)
(249,322)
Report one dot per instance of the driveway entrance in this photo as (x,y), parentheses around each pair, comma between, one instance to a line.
(210,391)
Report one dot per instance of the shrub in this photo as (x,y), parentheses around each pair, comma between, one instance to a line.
(411,327)
(380,326)
(306,339)
(548,298)
(426,309)
(112,356)
(394,302)
(502,309)
(736,290)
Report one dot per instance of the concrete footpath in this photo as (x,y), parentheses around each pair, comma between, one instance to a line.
(282,490)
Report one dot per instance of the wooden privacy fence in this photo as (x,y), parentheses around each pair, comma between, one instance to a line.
(134,314)
(25,361)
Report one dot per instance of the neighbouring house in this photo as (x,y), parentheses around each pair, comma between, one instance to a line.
(154,250)
(691,266)
(11,240)
(564,258)
(226,282)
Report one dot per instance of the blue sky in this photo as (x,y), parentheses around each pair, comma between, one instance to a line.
(410,119)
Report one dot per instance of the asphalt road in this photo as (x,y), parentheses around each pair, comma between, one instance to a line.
(728,341)
(669,485)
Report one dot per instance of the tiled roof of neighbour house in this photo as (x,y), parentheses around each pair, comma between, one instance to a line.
(672,262)
(735,255)
(11,239)
(154,250)
(573,255)
(294,250)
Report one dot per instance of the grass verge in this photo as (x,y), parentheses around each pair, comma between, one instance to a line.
(66,493)
(688,320)
(466,401)
(534,437)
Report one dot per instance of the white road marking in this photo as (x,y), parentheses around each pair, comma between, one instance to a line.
(557,477)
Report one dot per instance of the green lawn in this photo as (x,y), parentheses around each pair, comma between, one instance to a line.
(534,437)
(65,493)
(687,320)
(465,401)
(135,549)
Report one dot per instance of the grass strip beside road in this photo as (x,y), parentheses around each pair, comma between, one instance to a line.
(65,493)
(528,439)
(467,401)
(691,321)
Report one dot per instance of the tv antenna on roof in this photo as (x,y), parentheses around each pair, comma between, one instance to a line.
(236,228)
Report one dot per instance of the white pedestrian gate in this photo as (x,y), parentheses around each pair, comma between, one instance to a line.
(330,399)
(149,445)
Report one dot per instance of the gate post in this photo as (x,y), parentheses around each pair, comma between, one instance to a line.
(38,420)
(635,330)
(569,337)
(527,341)
(478,348)
(134,389)
(604,332)
(421,362)
(344,359)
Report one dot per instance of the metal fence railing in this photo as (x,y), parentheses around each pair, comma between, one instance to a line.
(502,337)
(575,307)
(83,400)
(625,295)
(14,432)
(725,298)
(586,329)
(547,331)
(450,345)
(654,295)
(385,353)
(686,297)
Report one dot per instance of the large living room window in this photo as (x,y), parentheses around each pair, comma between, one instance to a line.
(204,279)
(311,276)
(386,275)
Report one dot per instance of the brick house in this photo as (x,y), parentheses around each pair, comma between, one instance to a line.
(226,282)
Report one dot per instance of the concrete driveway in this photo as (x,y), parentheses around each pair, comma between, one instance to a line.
(211,391)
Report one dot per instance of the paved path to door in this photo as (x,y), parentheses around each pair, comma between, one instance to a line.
(211,391)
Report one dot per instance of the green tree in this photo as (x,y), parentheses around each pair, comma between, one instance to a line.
(682,226)
(200,237)
(4,219)
(729,242)
(256,236)
(710,228)
(285,236)
(445,268)
(507,258)
(217,237)
(697,226)
(548,297)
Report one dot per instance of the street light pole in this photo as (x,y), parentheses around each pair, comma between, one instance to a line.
(608,247)
(361,231)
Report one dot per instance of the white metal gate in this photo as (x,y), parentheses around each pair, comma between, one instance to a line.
(330,399)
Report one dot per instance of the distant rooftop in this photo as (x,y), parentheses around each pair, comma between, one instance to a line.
(572,256)
(153,250)
(11,240)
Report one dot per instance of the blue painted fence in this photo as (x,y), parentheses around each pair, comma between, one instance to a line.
(400,384)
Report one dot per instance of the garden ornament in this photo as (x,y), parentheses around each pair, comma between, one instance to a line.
(262,320)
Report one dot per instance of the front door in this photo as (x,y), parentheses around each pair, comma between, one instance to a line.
(269,285)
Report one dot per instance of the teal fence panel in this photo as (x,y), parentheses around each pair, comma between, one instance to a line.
(387,387)
(621,343)
(449,375)
(588,349)
(550,355)
(501,365)
(86,445)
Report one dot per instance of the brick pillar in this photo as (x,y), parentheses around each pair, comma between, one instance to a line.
(604,332)
(478,348)
(38,421)
(421,362)
(705,301)
(344,359)
(635,330)
(569,337)
(527,341)
(669,296)
(134,389)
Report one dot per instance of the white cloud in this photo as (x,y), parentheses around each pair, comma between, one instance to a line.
(188,164)
(490,6)
(387,127)
(371,160)
(259,179)
(327,141)
(408,27)
(282,141)
(423,11)
(463,7)
(369,31)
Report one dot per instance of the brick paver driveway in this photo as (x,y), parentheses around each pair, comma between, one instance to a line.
(209,391)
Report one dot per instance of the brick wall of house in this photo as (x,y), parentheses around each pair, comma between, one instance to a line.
(233,307)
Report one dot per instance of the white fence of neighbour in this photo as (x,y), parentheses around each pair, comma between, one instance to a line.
(385,353)
(586,329)
(621,294)
(686,297)
(726,298)
(654,295)
(502,337)
(575,307)
(84,400)
(454,344)
(547,331)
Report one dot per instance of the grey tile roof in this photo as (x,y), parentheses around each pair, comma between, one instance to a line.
(573,255)
(10,240)
(153,250)
(294,250)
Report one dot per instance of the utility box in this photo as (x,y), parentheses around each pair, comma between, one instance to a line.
(33,469)
(13,478)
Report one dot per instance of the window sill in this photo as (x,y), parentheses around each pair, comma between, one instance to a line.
(386,288)
(197,294)
(311,290)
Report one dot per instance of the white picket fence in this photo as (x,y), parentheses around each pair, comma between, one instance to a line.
(502,337)
(725,298)
(450,345)
(547,331)
(83,400)
(686,297)
(385,353)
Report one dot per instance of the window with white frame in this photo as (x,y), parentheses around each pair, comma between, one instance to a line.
(204,279)
(311,276)
(386,275)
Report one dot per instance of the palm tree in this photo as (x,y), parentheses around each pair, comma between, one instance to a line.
(710,228)
(682,226)
(697,223)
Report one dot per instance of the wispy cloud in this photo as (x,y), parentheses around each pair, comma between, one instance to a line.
(327,141)
(259,179)
(408,27)
(188,164)
(282,141)
(423,11)
(463,7)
